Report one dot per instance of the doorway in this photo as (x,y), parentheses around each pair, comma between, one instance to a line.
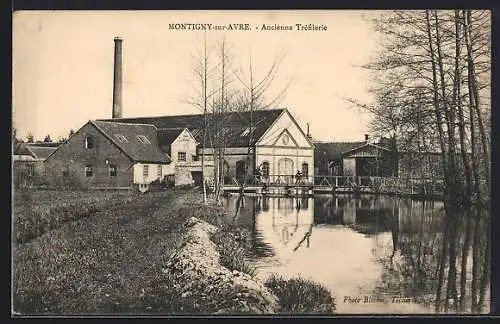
(240,170)
(285,170)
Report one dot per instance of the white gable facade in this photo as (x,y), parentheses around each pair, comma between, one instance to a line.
(285,149)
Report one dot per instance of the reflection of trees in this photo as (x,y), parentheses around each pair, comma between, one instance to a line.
(447,260)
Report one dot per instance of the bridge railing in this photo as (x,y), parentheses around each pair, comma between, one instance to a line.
(376,184)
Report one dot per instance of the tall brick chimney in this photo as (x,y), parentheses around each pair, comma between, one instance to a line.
(117,79)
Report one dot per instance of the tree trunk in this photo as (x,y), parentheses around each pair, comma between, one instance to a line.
(457,98)
(465,255)
(475,92)
(437,111)
(449,114)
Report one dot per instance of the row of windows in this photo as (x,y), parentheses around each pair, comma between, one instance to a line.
(145,171)
(89,170)
(89,140)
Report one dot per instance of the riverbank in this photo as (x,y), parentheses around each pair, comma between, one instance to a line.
(123,259)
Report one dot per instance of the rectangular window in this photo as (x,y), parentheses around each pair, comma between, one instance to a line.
(145,171)
(89,171)
(112,170)
(159,171)
(30,170)
(89,142)
(181,156)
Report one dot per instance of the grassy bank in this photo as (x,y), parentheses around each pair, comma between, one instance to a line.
(101,263)
(112,259)
(38,211)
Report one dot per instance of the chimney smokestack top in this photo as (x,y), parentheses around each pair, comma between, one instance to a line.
(118,38)
(117,79)
(367,137)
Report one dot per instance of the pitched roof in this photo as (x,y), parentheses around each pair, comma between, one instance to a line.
(36,150)
(22,149)
(237,123)
(44,144)
(136,150)
(333,150)
(42,152)
(376,145)
(166,136)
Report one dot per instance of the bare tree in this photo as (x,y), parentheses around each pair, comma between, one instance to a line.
(425,93)
(202,72)
(255,96)
(222,101)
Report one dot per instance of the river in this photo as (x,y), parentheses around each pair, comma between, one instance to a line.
(376,254)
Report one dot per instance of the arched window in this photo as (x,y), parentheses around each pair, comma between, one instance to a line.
(89,142)
(264,169)
(305,170)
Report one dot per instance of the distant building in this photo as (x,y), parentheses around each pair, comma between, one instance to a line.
(374,158)
(28,159)
(366,158)
(328,157)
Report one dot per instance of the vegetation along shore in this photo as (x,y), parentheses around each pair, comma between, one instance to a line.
(90,252)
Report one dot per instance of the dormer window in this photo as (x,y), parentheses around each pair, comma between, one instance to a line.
(247,131)
(121,138)
(143,139)
(89,142)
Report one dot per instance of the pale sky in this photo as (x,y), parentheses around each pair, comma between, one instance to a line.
(63,65)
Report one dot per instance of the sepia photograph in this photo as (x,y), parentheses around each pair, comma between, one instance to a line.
(264,162)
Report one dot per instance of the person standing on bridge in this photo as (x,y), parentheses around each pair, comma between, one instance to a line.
(257,174)
(298,177)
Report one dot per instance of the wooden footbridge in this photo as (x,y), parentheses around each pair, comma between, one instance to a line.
(290,185)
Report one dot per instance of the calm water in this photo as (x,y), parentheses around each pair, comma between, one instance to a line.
(376,254)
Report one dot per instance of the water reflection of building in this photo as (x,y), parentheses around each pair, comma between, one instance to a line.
(284,222)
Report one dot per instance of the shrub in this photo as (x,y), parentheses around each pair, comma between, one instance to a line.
(299,295)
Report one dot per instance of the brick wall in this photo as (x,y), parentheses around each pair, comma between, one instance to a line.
(72,157)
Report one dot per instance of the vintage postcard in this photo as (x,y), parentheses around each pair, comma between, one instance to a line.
(251,162)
